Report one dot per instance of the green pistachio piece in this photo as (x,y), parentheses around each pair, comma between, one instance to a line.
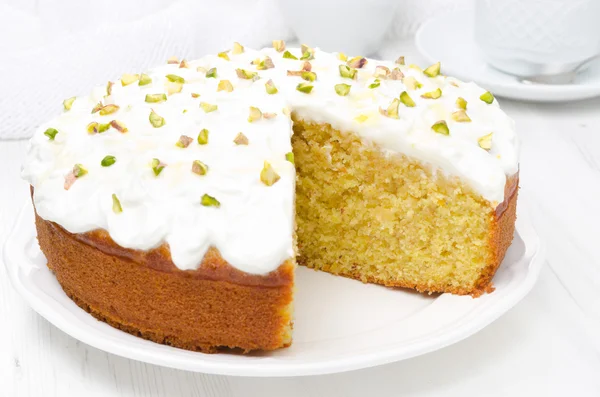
(127,79)
(400,60)
(225,85)
(392,109)
(487,97)
(209,201)
(411,83)
(203,136)
(357,62)
(433,70)
(290,157)
(51,133)
(156,98)
(184,64)
(246,75)
(307,52)
(441,127)
(376,83)
(304,87)
(175,79)
(237,48)
(156,120)
(270,87)
(184,141)
(212,72)
(309,76)
(347,72)
(342,89)
(485,142)
(199,168)
(68,103)
(144,79)
(223,55)
(157,166)
(207,107)
(461,116)
(119,126)
(173,88)
(407,100)
(396,74)
(265,64)
(255,114)
(92,128)
(461,103)
(279,45)
(240,139)
(96,108)
(381,71)
(432,94)
(103,127)
(79,170)
(108,109)
(288,55)
(107,161)
(268,176)
(116,207)
(109,87)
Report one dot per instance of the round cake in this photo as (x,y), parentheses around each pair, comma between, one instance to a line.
(175,203)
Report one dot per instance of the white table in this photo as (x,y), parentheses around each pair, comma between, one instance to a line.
(549,344)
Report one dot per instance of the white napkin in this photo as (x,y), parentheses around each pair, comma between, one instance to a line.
(54,49)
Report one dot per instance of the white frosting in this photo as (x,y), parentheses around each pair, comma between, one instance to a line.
(253,226)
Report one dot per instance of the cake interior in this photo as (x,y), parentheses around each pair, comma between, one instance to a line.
(385,219)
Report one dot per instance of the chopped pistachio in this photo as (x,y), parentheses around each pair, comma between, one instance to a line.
(237,48)
(381,71)
(184,141)
(195,95)
(433,70)
(288,55)
(461,103)
(289,156)
(270,87)
(225,85)
(361,118)
(485,142)
(304,87)
(295,73)
(119,126)
(441,127)
(69,180)
(269,116)
(92,128)
(306,66)
(173,60)
(392,109)
(203,136)
(157,166)
(156,98)
(407,100)
(144,79)
(68,103)
(51,133)
(265,64)
(240,139)
(347,72)
(342,89)
(184,111)
(376,83)
(212,72)
(199,168)
(223,55)
(357,62)
(309,76)
(207,107)
(117,208)
(107,161)
(173,88)
(432,94)
(342,57)
(103,127)
(96,108)
(109,87)
(184,64)
(279,45)
(396,74)
(246,75)
(108,109)
(156,120)
(175,79)
(201,69)
(268,176)
(127,79)
(461,116)
(411,83)
(415,67)
(400,60)
(209,201)
(487,97)
(307,52)
(255,114)
(79,170)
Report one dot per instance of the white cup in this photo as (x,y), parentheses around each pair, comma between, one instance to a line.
(530,38)
(355,27)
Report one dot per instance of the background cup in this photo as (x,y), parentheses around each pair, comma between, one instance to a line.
(537,37)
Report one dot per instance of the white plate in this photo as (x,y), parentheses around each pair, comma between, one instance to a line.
(340,325)
(449,39)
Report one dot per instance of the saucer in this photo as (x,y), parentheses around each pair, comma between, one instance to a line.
(449,39)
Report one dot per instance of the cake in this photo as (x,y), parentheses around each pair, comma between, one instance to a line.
(174,204)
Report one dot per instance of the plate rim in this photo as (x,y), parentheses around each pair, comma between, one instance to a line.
(270,367)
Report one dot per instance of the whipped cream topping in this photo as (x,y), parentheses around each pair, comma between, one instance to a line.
(252,226)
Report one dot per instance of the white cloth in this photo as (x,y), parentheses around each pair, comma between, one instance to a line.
(54,49)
